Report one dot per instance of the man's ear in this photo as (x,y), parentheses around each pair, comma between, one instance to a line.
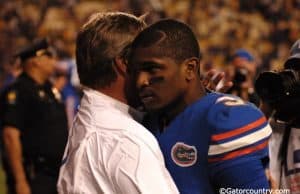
(191,68)
(120,65)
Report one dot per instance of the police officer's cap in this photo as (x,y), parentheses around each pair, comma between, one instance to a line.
(37,48)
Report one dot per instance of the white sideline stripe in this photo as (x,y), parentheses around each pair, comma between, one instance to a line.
(240,142)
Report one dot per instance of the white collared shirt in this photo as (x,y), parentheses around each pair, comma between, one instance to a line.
(109,152)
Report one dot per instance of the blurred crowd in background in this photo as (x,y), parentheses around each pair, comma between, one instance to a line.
(265,28)
(261,32)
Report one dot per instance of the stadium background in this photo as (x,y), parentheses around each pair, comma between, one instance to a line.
(266,28)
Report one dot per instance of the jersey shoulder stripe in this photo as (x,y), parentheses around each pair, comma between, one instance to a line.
(239,131)
(241,142)
(262,146)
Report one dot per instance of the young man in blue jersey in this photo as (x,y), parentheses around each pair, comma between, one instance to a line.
(210,141)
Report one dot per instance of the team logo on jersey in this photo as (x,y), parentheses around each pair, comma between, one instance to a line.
(184,155)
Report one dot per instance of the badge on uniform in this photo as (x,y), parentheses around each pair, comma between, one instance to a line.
(56,94)
(11,97)
(184,155)
(42,94)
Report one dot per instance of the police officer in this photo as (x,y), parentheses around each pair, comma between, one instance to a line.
(34,124)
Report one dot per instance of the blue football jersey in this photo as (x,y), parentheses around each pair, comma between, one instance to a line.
(213,143)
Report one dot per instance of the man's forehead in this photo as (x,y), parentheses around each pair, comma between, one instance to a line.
(149,52)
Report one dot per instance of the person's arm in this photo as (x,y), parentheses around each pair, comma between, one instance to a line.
(13,150)
(272,182)
(238,153)
(246,173)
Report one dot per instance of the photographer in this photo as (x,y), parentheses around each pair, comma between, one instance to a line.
(242,76)
(280,94)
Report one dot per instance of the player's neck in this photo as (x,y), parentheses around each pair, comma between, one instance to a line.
(196,92)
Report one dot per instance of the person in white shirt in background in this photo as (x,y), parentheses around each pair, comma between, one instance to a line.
(280,96)
(108,151)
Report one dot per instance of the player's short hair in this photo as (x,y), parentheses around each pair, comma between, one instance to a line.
(173,39)
(101,39)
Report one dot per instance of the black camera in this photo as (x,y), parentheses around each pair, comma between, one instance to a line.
(240,76)
(281,90)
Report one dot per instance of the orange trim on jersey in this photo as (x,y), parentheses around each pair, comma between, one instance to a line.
(240,152)
(238,131)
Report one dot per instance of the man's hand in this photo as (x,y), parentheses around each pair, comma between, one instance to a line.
(213,78)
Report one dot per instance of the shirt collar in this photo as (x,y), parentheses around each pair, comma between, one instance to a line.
(99,98)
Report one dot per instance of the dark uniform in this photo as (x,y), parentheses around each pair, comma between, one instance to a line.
(38,112)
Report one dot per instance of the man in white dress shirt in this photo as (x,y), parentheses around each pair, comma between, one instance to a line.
(108,151)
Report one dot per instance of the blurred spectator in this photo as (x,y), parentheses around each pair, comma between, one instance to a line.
(243,75)
(263,27)
(70,93)
(12,70)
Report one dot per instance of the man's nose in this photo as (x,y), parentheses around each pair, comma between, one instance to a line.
(142,79)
